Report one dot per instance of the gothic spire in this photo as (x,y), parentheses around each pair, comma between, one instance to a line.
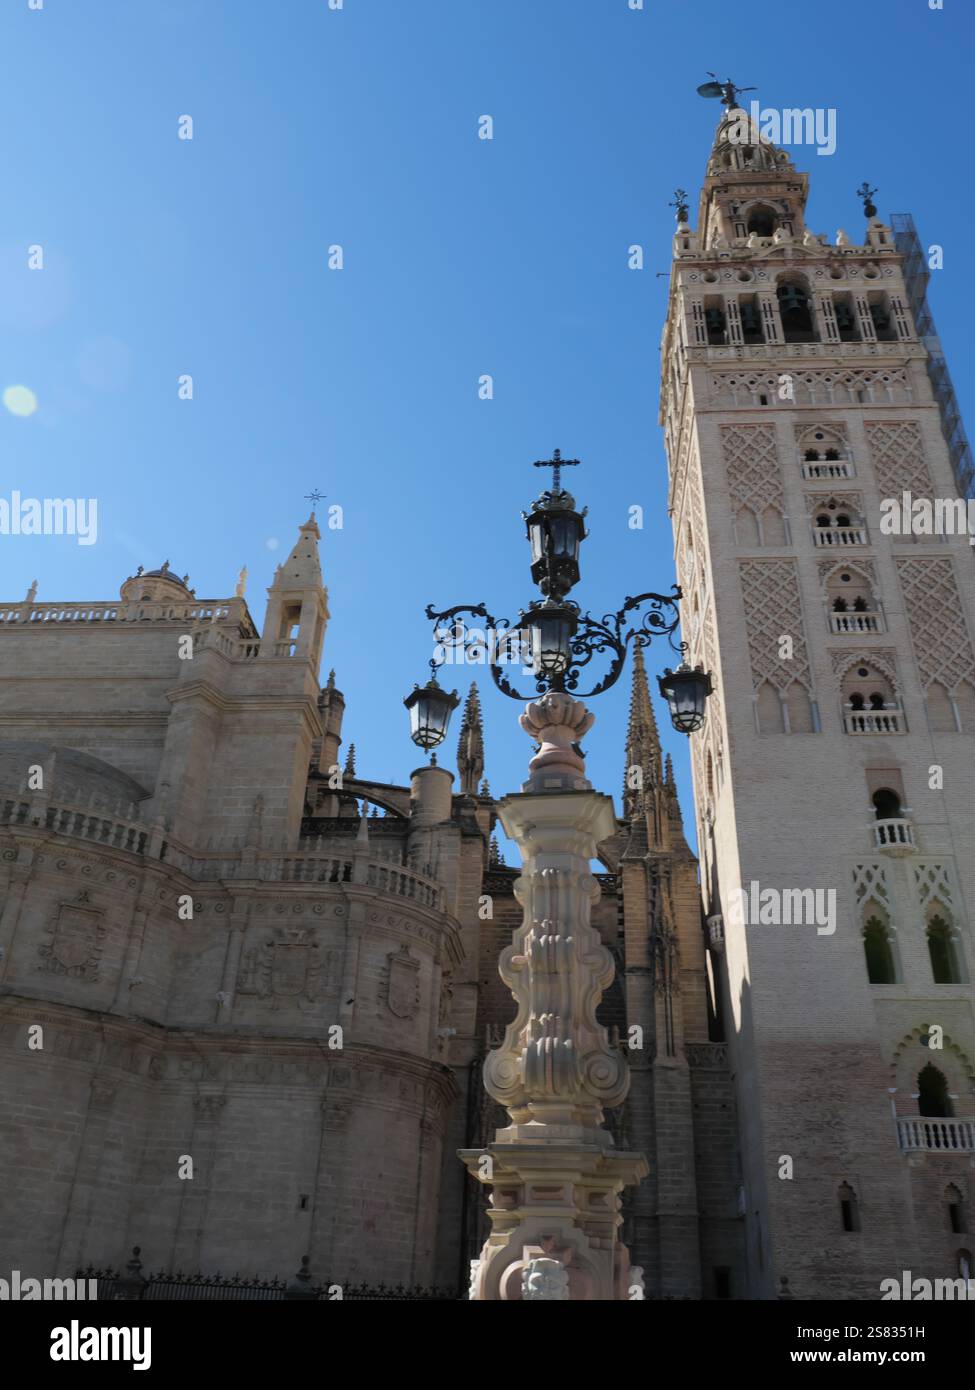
(642,743)
(674,814)
(349,769)
(470,745)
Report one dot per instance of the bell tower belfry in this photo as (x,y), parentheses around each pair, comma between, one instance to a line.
(297,608)
(833,776)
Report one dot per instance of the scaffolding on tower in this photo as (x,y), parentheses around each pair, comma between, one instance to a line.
(916,277)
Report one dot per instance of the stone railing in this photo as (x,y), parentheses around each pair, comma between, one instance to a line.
(100,827)
(854,622)
(894,834)
(838,468)
(192,611)
(79,822)
(875,721)
(839,536)
(924,1134)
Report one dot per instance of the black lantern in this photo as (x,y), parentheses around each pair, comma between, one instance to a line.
(556,532)
(551,626)
(556,640)
(686,692)
(430,709)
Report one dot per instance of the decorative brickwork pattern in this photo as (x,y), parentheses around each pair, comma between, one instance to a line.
(773,609)
(752,467)
(898,458)
(935,616)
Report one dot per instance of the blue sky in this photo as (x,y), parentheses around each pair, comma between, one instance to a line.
(462,257)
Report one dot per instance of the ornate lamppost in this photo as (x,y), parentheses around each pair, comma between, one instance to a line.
(554,1174)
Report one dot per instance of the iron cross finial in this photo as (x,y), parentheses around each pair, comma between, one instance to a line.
(314,497)
(556,463)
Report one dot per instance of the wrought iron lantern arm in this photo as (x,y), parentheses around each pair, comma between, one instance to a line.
(501,645)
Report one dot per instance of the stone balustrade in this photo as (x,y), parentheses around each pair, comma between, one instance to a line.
(894,835)
(816,472)
(194,611)
(98,826)
(927,1134)
(875,721)
(854,622)
(838,537)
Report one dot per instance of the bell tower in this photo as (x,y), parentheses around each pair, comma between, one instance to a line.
(297,609)
(833,776)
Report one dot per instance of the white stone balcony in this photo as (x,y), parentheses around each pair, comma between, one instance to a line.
(924,1134)
(875,721)
(855,622)
(839,537)
(827,468)
(895,835)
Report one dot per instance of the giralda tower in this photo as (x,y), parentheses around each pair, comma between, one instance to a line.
(834,778)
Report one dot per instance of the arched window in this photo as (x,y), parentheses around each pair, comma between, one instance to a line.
(941,949)
(877,949)
(846,319)
(715,322)
(865,688)
(795,312)
(849,1208)
(933,1098)
(762,221)
(879,306)
(887,804)
(850,591)
(955,1205)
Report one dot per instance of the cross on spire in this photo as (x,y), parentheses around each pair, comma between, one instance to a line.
(556,463)
(314,497)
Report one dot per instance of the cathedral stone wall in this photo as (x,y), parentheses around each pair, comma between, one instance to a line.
(246,1022)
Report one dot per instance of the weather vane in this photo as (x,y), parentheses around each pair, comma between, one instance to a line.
(680,203)
(556,463)
(314,497)
(866,193)
(727,90)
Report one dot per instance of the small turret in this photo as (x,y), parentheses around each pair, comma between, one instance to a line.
(297,609)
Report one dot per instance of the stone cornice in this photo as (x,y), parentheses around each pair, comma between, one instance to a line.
(137,1042)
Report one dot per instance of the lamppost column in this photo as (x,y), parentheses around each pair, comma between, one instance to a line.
(554,1175)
